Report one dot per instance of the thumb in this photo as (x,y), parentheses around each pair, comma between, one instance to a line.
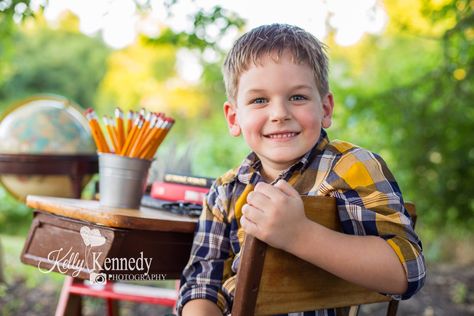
(286,188)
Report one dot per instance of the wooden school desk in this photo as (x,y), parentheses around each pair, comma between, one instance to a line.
(55,242)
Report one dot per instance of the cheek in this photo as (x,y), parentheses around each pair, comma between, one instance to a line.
(251,122)
(309,121)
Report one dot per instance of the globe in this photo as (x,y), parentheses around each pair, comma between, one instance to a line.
(46,125)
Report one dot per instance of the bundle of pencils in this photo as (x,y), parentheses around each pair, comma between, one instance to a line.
(138,137)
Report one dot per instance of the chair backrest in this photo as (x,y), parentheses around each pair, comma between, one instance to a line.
(271,281)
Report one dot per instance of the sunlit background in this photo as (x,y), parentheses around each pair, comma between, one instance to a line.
(119,22)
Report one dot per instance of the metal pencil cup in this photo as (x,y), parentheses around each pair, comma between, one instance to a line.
(122,180)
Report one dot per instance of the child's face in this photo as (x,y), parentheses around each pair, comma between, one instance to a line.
(279,111)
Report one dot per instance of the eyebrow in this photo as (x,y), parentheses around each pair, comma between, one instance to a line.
(258,91)
(255,91)
(301,86)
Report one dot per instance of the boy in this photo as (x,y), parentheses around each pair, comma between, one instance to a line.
(278,99)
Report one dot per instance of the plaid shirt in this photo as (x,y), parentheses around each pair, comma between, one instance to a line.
(368,199)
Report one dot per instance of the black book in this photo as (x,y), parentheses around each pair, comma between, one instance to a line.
(181,208)
(150,202)
(197,181)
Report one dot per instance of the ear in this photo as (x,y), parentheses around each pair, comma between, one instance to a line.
(231,118)
(328,107)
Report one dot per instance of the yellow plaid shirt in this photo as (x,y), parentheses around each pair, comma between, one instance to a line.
(369,202)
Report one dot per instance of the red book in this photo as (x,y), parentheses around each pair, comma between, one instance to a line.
(177,192)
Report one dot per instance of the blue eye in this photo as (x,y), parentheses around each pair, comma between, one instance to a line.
(259,101)
(297,97)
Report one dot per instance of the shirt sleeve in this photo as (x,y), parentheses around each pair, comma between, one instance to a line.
(369,202)
(204,273)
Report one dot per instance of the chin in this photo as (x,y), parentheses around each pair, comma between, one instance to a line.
(285,159)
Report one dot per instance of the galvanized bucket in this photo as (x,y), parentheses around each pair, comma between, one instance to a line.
(122,180)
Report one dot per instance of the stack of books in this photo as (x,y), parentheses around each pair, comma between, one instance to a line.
(177,188)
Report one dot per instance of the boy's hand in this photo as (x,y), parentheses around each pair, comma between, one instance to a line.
(273,214)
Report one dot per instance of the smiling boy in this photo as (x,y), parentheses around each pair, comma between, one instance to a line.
(279,101)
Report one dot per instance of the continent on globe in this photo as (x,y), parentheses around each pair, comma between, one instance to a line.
(46,125)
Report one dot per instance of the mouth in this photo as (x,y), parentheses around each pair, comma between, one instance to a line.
(281,135)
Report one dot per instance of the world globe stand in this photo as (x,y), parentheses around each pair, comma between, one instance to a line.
(75,166)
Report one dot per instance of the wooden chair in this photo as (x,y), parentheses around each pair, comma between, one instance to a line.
(271,281)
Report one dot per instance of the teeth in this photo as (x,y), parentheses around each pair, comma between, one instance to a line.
(283,135)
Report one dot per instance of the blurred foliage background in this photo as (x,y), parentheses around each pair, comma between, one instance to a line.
(406,94)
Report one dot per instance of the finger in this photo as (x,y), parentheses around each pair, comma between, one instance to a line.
(252,213)
(248,226)
(258,199)
(266,189)
(286,188)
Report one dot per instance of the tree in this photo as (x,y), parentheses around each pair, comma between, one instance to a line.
(61,61)
(9,12)
(410,96)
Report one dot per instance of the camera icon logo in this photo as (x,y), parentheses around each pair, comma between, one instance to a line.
(98,278)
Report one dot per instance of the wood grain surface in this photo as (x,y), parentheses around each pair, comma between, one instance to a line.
(91,211)
(271,281)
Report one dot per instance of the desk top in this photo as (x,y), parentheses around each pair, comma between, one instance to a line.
(91,211)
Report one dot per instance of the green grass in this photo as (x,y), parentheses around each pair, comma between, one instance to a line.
(27,290)
(15,216)
(14,268)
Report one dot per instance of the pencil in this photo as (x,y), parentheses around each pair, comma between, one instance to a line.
(168,126)
(156,123)
(130,117)
(95,120)
(95,128)
(153,121)
(111,131)
(94,133)
(152,135)
(159,138)
(140,136)
(120,130)
(132,136)
(142,112)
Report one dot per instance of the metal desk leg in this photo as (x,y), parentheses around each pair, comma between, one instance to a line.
(69,304)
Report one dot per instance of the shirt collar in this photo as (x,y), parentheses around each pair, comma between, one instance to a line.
(249,170)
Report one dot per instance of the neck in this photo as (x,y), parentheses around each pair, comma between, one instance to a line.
(271,173)
(269,176)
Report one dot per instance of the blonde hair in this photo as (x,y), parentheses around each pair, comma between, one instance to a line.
(275,39)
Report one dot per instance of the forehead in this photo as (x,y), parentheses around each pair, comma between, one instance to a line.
(276,71)
(275,56)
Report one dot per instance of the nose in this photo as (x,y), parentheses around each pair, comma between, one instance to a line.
(279,111)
